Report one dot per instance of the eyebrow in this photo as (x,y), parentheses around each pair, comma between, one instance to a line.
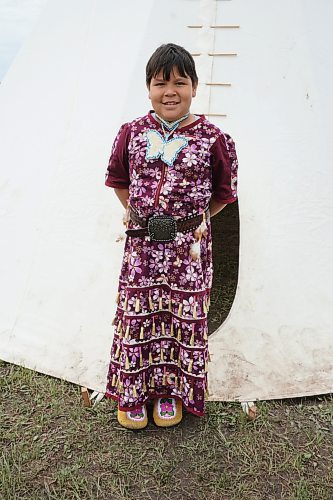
(177,79)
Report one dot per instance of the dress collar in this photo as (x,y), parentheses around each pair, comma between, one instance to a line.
(190,125)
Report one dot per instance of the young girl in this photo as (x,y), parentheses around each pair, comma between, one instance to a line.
(172,171)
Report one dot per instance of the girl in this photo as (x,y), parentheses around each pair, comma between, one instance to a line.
(172,171)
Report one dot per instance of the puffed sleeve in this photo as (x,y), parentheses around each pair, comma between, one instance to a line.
(224,169)
(117,174)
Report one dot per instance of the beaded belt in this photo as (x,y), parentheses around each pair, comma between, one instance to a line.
(163,227)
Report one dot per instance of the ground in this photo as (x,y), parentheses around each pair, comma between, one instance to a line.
(54,448)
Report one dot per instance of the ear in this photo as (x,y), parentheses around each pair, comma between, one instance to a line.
(194,91)
(148,88)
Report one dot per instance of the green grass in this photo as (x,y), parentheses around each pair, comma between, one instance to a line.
(54,448)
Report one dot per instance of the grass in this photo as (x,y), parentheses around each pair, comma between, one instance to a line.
(54,448)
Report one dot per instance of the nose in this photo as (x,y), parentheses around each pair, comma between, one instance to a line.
(169,90)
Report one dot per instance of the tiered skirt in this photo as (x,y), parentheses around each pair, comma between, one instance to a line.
(160,344)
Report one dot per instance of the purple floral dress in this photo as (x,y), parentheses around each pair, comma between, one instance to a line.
(160,344)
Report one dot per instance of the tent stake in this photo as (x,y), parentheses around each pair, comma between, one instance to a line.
(222,54)
(250,409)
(224,26)
(97,396)
(217,83)
(86,397)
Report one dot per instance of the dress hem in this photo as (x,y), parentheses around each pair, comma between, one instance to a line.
(154,396)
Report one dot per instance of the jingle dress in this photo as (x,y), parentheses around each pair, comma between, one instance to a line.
(160,344)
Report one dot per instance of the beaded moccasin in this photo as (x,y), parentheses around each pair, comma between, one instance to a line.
(133,419)
(167,411)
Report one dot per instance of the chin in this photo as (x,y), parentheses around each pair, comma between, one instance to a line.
(170,116)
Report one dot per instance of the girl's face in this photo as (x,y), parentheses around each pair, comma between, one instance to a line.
(171,99)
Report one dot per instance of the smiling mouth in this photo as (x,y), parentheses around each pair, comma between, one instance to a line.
(170,103)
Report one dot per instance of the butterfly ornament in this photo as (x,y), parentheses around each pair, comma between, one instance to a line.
(158,146)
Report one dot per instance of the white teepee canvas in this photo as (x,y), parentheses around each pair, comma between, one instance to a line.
(79,76)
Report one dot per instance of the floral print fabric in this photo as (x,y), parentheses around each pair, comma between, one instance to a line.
(160,345)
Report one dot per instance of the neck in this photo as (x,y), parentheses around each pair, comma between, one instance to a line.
(174,124)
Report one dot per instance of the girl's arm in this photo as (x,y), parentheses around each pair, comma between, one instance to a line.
(215,206)
(122,195)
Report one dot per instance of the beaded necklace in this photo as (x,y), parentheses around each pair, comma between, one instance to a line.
(160,146)
(170,126)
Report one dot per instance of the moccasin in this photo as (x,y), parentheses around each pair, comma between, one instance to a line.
(133,419)
(167,411)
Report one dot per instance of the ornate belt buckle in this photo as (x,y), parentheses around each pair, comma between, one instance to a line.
(162,228)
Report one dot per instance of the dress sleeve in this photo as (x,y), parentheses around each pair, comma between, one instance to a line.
(224,169)
(117,174)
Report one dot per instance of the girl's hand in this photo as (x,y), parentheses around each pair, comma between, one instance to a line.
(123,195)
(215,206)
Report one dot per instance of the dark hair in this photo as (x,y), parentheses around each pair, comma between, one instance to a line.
(168,56)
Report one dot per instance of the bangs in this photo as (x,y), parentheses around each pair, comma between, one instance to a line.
(167,66)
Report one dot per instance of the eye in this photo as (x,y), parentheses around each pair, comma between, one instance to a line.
(181,83)
(159,84)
